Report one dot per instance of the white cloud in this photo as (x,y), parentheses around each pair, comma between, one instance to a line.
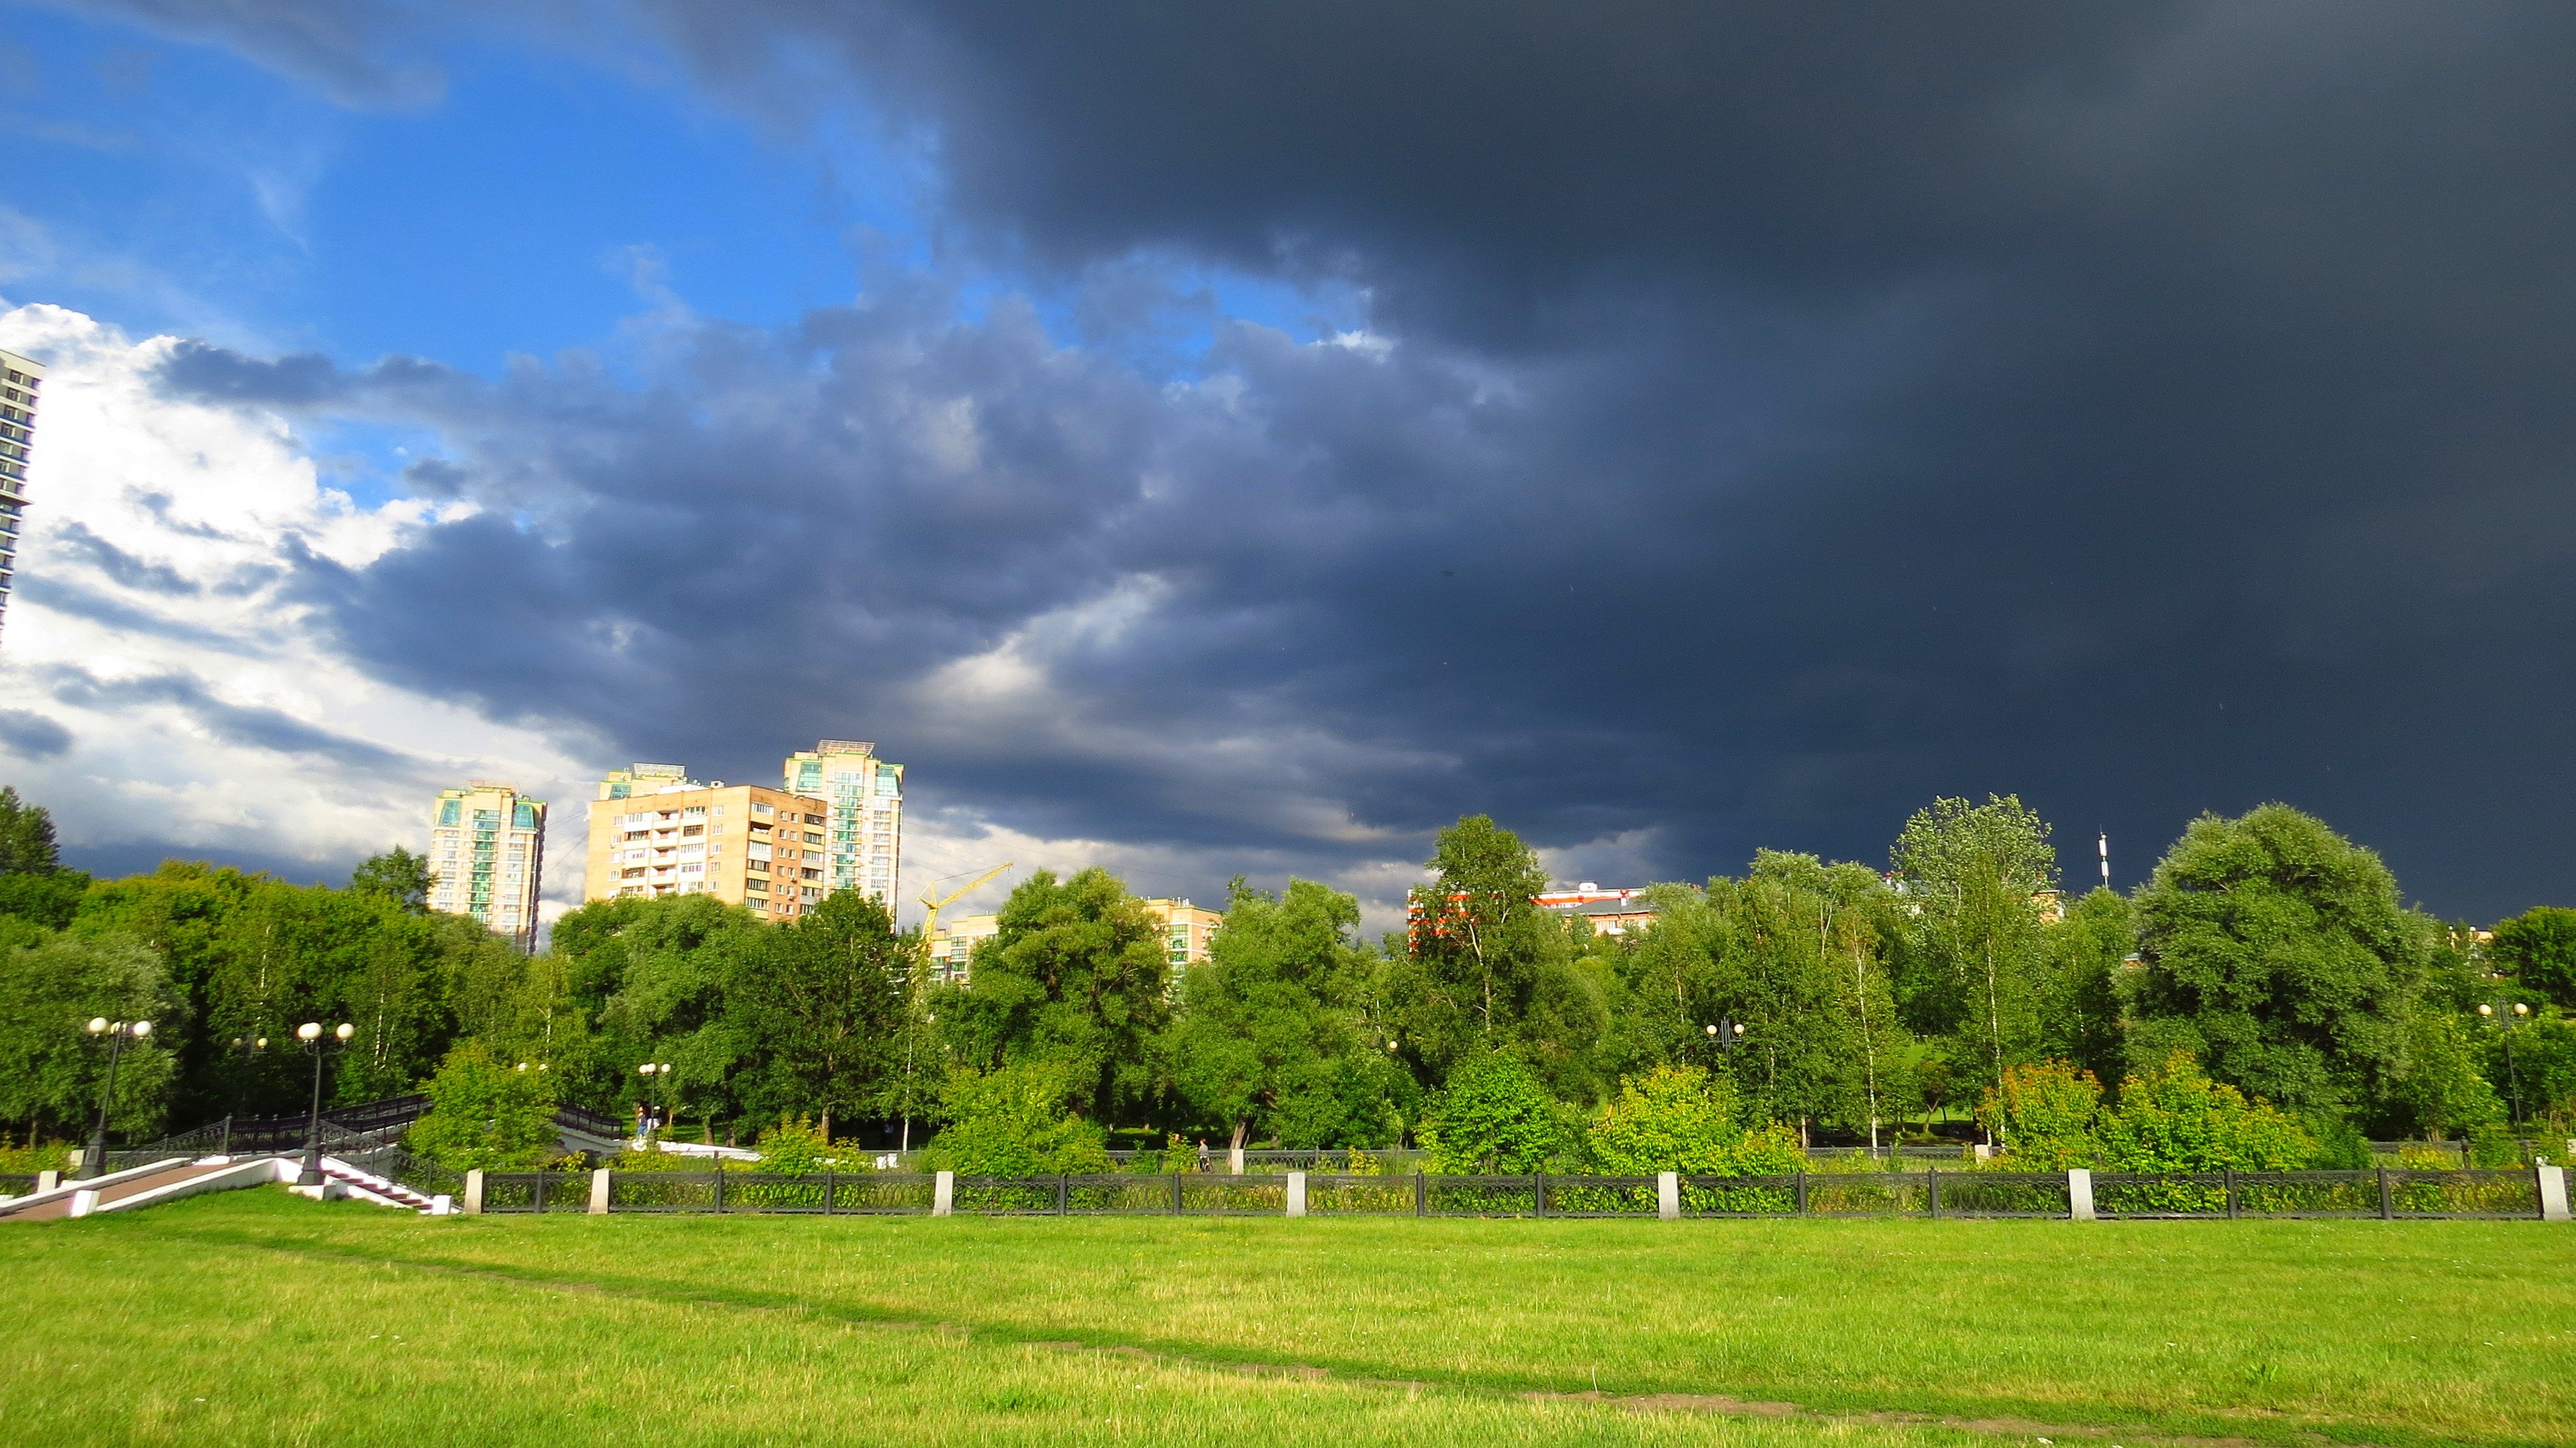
(206,707)
(210,710)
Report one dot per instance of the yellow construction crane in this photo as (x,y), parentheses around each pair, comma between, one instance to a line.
(930,927)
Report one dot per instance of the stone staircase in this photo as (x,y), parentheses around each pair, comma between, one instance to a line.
(161,1181)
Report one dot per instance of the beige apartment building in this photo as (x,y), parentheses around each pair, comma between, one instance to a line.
(487,846)
(863,814)
(1187,931)
(20,378)
(656,832)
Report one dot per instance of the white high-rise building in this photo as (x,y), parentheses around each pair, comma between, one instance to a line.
(863,848)
(19,379)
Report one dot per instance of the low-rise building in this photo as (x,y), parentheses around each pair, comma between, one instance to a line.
(1185,931)
(1613,911)
(1188,930)
(952,945)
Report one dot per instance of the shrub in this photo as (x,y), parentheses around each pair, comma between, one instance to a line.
(1683,1119)
(795,1147)
(2043,1114)
(2340,1144)
(1013,1123)
(485,1115)
(2175,1119)
(1494,1117)
(52,1156)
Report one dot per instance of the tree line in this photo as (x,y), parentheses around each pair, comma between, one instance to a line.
(2267,955)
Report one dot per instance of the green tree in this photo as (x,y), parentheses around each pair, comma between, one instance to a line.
(2043,1114)
(485,1113)
(819,1001)
(26,836)
(2079,1001)
(1977,877)
(659,970)
(2174,1118)
(252,956)
(1688,1120)
(2538,948)
(397,875)
(2437,1088)
(2278,953)
(1493,1116)
(1477,949)
(33,885)
(1669,985)
(2544,1057)
(51,1069)
(1269,1036)
(1794,954)
(1014,1122)
(1074,975)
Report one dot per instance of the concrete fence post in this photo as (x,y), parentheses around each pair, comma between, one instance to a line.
(2553,1192)
(599,1192)
(47,1181)
(1234,1160)
(1668,1196)
(84,1202)
(1296,1194)
(474,1192)
(2079,1194)
(943,1194)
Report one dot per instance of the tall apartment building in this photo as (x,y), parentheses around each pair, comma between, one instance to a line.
(1186,931)
(863,839)
(19,379)
(654,832)
(487,850)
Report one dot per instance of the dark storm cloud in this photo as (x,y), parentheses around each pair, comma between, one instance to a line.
(1792,413)
(248,725)
(32,736)
(78,542)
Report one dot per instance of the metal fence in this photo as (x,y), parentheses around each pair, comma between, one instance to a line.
(2385,1193)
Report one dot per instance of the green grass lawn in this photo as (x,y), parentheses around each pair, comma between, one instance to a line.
(254,1317)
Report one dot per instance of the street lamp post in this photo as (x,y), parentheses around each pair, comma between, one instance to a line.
(250,1050)
(1724,1037)
(909,1037)
(2513,1077)
(310,1034)
(94,1161)
(657,1077)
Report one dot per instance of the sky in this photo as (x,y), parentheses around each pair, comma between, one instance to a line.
(1238,440)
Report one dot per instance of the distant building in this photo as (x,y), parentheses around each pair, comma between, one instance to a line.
(1186,931)
(1610,912)
(952,945)
(487,845)
(863,795)
(19,379)
(655,832)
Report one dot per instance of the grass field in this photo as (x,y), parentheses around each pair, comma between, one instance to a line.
(256,1318)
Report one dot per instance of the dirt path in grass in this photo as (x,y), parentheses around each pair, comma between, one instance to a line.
(2019,1429)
